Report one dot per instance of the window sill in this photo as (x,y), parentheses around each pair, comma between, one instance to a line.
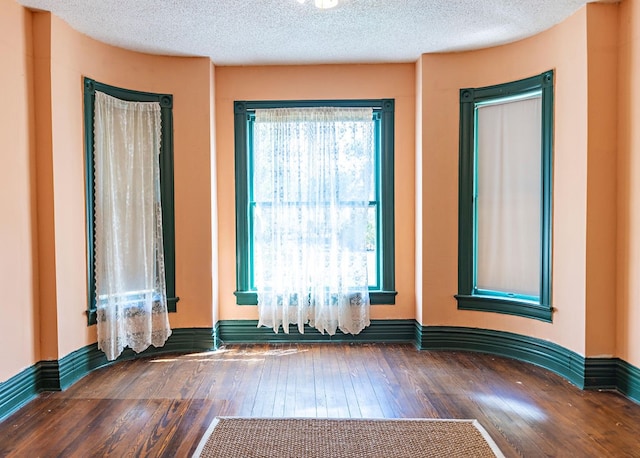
(376,297)
(523,308)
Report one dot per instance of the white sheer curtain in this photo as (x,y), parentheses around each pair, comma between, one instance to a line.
(130,283)
(313,180)
(509,196)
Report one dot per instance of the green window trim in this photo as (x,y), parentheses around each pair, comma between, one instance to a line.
(385,294)
(468,297)
(166,183)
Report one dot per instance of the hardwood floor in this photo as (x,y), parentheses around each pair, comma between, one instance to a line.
(162,406)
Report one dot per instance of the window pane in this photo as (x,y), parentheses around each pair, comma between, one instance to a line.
(253,191)
(293,157)
(508,196)
(354,149)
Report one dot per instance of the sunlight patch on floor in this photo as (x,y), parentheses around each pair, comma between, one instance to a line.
(238,355)
(515,406)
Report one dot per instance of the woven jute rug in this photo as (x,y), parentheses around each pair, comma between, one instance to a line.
(345,438)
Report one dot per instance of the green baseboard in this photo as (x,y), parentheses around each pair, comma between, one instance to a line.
(628,380)
(586,373)
(59,375)
(18,390)
(79,363)
(542,353)
(613,373)
(247,331)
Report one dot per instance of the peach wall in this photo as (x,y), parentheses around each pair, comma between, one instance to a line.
(628,272)
(563,48)
(19,333)
(419,250)
(319,82)
(72,56)
(214,199)
(47,300)
(602,47)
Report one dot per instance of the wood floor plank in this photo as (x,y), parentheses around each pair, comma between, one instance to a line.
(409,372)
(335,394)
(250,382)
(266,394)
(378,382)
(365,393)
(344,371)
(282,380)
(305,392)
(105,413)
(293,377)
(161,407)
(319,365)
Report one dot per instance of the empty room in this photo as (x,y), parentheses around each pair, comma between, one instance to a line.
(320,228)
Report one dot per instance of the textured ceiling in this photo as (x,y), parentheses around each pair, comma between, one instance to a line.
(250,32)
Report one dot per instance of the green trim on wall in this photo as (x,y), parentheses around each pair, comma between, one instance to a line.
(385,292)
(18,390)
(79,363)
(586,373)
(57,375)
(247,331)
(628,380)
(166,180)
(503,305)
(542,353)
(469,297)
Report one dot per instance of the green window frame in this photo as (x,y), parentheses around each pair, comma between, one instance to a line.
(384,110)
(469,297)
(166,183)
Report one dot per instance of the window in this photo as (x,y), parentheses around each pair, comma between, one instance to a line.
(166,185)
(380,221)
(504,244)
